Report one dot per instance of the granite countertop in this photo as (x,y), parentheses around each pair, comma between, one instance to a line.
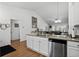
(65,38)
(58,37)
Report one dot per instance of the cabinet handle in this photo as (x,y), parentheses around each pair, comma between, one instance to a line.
(78,45)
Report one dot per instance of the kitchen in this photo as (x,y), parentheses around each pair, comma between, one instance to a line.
(49,28)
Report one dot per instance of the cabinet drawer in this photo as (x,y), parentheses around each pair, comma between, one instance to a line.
(73,44)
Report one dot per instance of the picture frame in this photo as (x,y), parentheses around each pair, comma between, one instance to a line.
(34,22)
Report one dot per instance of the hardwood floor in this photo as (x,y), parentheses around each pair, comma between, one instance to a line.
(22,50)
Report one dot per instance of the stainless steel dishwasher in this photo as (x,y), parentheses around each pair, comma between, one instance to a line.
(57,48)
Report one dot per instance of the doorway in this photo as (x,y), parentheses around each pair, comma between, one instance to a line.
(15,32)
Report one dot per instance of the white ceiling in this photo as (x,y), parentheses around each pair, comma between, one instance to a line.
(47,10)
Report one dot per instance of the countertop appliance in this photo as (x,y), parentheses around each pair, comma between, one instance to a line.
(57,48)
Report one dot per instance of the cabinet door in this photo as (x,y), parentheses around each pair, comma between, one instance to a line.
(72,52)
(36,44)
(44,46)
(72,49)
(29,42)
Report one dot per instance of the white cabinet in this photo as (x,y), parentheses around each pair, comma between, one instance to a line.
(29,42)
(73,52)
(72,49)
(38,44)
(44,46)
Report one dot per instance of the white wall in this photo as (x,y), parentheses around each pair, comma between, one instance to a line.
(27,24)
(23,15)
(73,16)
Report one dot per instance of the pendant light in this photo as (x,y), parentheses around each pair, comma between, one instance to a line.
(57,20)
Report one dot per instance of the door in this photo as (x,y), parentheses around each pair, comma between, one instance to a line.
(72,49)
(72,52)
(44,46)
(29,42)
(15,30)
(36,44)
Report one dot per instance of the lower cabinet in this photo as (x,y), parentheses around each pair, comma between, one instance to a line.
(38,44)
(72,49)
(44,46)
(73,52)
(29,42)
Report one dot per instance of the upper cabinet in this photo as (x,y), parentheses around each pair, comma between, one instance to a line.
(73,15)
